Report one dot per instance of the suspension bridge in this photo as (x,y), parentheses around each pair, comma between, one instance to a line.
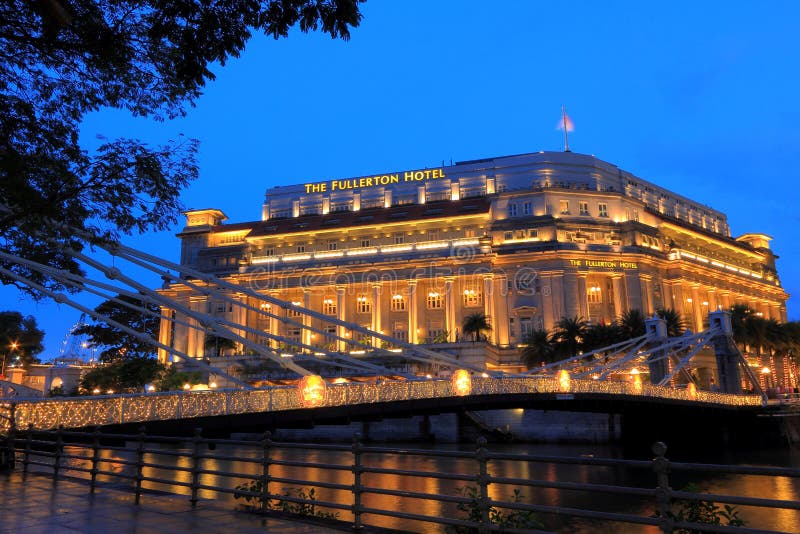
(649,369)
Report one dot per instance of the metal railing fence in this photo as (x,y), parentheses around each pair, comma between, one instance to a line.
(197,464)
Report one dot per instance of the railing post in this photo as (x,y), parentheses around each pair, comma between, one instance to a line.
(58,452)
(661,468)
(483,485)
(95,458)
(139,464)
(12,435)
(28,446)
(266,445)
(195,465)
(358,489)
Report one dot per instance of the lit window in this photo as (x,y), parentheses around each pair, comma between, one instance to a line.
(294,313)
(594,295)
(527,208)
(329,306)
(519,234)
(433,235)
(602,209)
(563,207)
(512,210)
(469,231)
(398,303)
(434,300)
(363,305)
(472,297)
(583,208)
(636,215)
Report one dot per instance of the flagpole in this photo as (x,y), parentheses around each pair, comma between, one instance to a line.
(566,133)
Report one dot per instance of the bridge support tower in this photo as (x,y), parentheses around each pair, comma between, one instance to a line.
(656,329)
(727,355)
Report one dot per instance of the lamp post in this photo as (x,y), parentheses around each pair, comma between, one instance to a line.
(5,356)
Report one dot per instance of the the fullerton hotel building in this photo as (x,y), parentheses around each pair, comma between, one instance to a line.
(524,239)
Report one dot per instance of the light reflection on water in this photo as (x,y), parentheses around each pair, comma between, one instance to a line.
(747,485)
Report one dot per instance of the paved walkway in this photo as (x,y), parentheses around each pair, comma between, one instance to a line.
(34,505)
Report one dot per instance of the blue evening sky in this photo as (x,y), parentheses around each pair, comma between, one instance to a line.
(699,97)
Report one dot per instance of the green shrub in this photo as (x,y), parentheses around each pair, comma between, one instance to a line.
(512,519)
(257,502)
(705,512)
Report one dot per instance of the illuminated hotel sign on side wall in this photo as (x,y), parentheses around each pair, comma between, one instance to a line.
(604,264)
(373,181)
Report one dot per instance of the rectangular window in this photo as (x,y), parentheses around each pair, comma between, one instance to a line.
(434,300)
(602,209)
(508,235)
(583,208)
(525,327)
(563,207)
(472,297)
(519,234)
(364,243)
(329,306)
(512,210)
(433,235)
(363,305)
(269,251)
(301,248)
(399,238)
(400,331)
(594,295)
(469,231)
(527,208)
(636,215)
(398,303)
(294,313)
(533,233)
(435,331)
(333,245)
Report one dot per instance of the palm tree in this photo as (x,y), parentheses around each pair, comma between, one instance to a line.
(739,315)
(631,323)
(475,324)
(601,335)
(537,349)
(568,335)
(676,326)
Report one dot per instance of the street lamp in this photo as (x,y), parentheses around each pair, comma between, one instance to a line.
(3,368)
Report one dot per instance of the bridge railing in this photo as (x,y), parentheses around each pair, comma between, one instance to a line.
(354,482)
(81,412)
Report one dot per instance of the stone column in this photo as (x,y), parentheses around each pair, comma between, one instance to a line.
(488,306)
(306,333)
(668,296)
(165,334)
(647,294)
(617,288)
(197,334)
(376,313)
(274,324)
(570,295)
(679,304)
(501,310)
(450,309)
(548,315)
(582,297)
(341,331)
(697,309)
(713,300)
(557,291)
(633,291)
(412,312)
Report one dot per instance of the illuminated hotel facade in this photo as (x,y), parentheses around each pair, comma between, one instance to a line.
(524,239)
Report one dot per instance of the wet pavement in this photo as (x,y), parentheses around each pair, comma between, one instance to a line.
(35,504)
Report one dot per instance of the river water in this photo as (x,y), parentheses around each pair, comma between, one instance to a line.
(748,485)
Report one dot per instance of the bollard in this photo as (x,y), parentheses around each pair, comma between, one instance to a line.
(483,485)
(266,445)
(139,464)
(663,491)
(58,452)
(196,440)
(358,489)
(95,458)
